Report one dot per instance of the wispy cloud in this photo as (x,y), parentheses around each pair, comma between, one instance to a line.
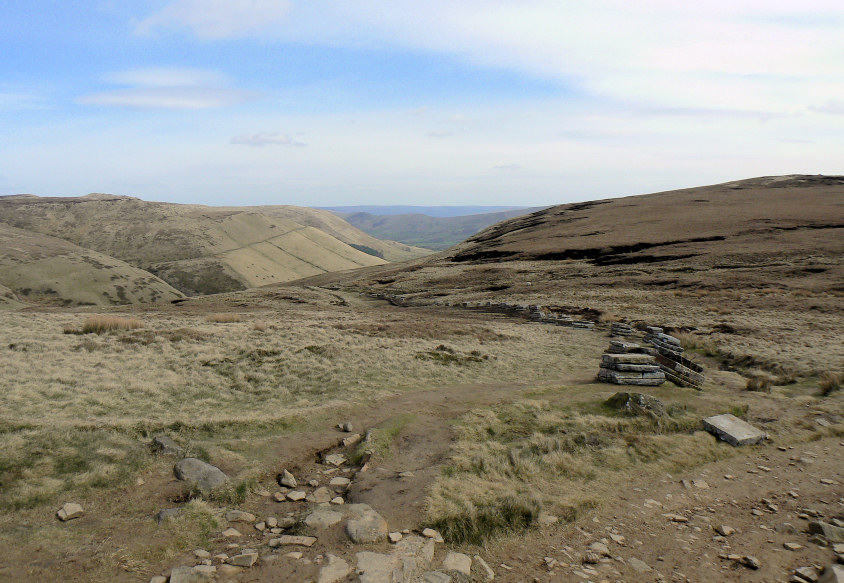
(218,18)
(169,98)
(440,134)
(168,88)
(267,139)
(508,167)
(833,106)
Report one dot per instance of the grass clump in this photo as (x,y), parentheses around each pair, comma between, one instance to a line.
(830,383)
(224,318)
(446,355)
(102,324)
(758,384)
(479,523)
(380,439)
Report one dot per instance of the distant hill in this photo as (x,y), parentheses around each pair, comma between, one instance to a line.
(36,268)
(423,230)
(758,215)
(200,249)
(431,211)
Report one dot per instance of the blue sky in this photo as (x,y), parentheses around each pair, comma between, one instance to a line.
(395,102)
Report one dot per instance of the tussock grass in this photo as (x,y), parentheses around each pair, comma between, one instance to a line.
(102,324)
(224,318)
(512,460)
(830,383)
(759,384)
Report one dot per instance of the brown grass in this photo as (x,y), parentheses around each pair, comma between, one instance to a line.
(830,382)
(102,324)
(224,318)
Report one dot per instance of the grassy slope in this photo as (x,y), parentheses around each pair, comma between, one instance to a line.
(426,231)
(47,269)
(194,248)
(330,223)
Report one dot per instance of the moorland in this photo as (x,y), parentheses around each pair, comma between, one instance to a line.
(464,416)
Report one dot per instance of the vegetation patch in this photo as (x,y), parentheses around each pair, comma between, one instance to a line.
(446,355)
(513,460)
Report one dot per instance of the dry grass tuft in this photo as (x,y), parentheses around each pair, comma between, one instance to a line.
(758,384)
(259,326)
(224,318)
(101,324)
(829,383)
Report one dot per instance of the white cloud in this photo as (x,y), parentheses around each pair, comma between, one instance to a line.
(267,139)
(168,77)
(218,18)
(169,98)
(168,88)
(751,55)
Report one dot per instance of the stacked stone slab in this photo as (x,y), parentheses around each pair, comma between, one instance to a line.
(626,363)
(621,329)
(669,356)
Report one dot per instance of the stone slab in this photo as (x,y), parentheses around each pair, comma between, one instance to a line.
(733,430)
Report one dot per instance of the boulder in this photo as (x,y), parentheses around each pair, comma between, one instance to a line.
(457,564)
(733,430)
(246,558)
(205,476)
(364,524)
(167,514)
(636,404)
(69,511)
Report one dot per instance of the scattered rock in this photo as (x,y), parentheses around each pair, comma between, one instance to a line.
(333,569)
(338,500)
(375,567)
(347,427)
(352,440)
(284,540)
(792,546)
(322,495)
(158,579)
(365,525)
(198,574)
(239,516)
(733,430)
(834,534)
(339,482)
(600,548)
(201,554)
(591,558)
(725,530)
(167,514)
(286,479)
(435,577)
(638,565)
(166,446)
(205,476)
(807,574)
(335,459)
(457,562)
(832,574)
(322,519)
(487,574)
(246,558)
(229,570)
(395,537)
(232,533)
(69,511)
(296,495)
(431,533)
(636,404)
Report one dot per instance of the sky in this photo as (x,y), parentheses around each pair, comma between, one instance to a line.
(486,102)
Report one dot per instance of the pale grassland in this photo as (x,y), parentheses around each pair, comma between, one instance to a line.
(225,319)
(76,411)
